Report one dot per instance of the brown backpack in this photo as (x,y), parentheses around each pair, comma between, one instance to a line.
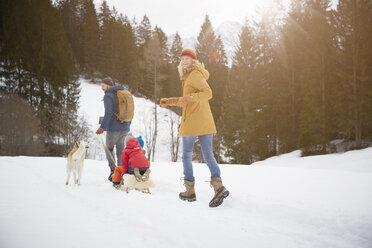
(125,106)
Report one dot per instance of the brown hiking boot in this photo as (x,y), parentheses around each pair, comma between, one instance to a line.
(189,194)
(220,192)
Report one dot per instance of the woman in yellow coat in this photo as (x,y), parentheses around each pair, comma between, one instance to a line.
(197,122)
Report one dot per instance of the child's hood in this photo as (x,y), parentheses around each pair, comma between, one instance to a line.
(133,144)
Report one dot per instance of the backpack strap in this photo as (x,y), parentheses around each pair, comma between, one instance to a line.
(111,91)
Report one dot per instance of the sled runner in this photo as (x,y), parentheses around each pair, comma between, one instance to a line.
(129,182)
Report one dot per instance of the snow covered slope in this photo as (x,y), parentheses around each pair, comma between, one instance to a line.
(285,201)
(91,107)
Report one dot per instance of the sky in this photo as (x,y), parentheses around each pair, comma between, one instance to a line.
(186,17)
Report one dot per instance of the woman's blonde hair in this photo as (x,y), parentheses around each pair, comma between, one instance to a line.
(182,71)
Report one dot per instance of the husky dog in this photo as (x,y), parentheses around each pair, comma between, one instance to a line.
(75,161)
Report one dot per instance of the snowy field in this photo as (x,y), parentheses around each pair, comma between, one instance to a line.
(286,201)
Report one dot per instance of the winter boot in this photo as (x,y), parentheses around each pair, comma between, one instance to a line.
(146,175)
(110,176)
(189,195)
(220,192)
(137,175)
(116,185)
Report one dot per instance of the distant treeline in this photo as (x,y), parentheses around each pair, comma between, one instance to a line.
(298,80)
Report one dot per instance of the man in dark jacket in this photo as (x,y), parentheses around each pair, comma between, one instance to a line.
(115,130)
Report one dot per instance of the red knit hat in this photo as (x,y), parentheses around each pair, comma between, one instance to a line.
(188,52)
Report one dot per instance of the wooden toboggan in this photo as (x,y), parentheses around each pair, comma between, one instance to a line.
(129,182)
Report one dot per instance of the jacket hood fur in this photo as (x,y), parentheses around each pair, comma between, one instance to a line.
(196,65)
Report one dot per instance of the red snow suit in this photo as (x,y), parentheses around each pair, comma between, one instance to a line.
(134,156)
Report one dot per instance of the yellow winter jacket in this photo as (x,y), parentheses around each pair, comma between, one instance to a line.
(197,118)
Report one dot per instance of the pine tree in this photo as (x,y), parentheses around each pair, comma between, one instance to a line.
(206,42)
(294,43)
(40,60)
(143,31)
(176,49)
(163,40)
(173,83)
(70,12)
(155,72)
(127,57)
(354,35)
(238,105)
(107,51)
(156,60)
(143,36)
(317,76)
(266,99)
(89,60)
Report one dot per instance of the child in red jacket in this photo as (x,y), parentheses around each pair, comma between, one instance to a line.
(133,161)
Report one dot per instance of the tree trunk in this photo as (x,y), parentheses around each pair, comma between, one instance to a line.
(357,121)
(324,125)
(155,118)
(293,129)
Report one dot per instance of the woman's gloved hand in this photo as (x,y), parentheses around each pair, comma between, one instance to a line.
(164,102)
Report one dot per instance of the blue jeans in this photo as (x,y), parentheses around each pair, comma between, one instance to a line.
(206,143)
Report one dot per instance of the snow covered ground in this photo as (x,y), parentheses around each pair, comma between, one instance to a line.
(285,201)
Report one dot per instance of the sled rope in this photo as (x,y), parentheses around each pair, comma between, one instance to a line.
(108,151)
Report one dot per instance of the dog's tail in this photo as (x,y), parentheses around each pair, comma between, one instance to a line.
(79,151)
